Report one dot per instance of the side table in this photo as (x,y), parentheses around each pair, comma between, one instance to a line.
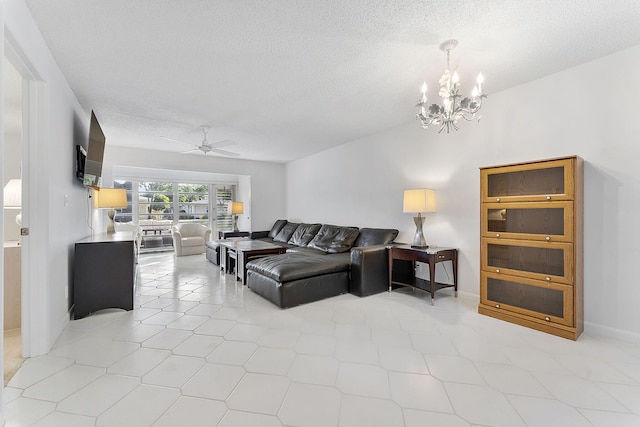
(241,251)
(431,256)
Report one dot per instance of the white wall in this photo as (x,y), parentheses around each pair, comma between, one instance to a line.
(590,111)
(48,171)
(265,198)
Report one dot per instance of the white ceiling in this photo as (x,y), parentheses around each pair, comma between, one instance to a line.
(288,78)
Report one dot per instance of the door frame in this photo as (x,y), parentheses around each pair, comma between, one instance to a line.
(33,321)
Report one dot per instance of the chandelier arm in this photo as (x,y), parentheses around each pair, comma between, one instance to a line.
(468,119)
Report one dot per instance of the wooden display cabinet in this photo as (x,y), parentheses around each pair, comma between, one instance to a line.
(551,262)
(529,300)
(549,221)
(544,180)
(531,245)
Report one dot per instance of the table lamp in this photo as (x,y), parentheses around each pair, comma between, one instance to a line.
(235,209)
(112,199)
(13,197)
(419,201)
(13,200)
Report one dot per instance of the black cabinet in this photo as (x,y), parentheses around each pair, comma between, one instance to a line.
(103,273)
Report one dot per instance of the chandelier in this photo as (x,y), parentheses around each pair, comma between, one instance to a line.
(454,107)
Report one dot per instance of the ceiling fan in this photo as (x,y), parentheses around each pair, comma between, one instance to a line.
(206,146)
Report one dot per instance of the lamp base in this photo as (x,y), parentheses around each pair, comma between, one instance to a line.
(418,240)
(111,225)
(19,222)
(235,223)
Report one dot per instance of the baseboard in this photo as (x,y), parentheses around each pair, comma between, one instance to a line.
(608,332)
(590,328)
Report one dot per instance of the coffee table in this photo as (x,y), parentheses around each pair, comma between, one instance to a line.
(244,251)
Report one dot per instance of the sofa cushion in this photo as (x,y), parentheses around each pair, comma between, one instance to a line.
(305,250)
(286,232)
(334,239)
(192,241)
(277,226)
(292,266)
(375,236)
(304,234)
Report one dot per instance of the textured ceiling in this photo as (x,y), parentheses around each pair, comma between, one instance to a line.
(288,78)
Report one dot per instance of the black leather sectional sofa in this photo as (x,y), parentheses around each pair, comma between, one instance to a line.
(321,261)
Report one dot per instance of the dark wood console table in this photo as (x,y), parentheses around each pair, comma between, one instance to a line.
(431,256)
(104,273)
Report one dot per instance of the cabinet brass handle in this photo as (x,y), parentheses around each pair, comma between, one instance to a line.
(548,197)
(548,279)
(547,318)
(497,199)
(497,234)
(547,238)
(497,270)
(497,305)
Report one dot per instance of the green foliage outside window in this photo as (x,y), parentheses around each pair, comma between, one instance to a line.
(160,203)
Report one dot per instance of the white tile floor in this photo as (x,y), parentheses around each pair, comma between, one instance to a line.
(199,349)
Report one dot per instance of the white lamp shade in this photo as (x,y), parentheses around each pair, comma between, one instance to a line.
(111,198)
(13,194)
(419,201)
(235,208)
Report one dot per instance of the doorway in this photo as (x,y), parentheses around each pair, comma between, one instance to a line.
(12,83)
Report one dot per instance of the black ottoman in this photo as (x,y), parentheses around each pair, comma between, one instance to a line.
(292,279)
(212,251)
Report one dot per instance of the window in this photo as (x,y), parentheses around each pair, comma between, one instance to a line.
(223,218)
(193,203)
(155,201)
(174,202)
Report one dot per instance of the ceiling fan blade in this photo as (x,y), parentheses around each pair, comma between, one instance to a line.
(220,144)
(225,152)
(206,146)
(189,151)
(175,140)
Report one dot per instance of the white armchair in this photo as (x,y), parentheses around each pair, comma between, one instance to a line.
(190,238)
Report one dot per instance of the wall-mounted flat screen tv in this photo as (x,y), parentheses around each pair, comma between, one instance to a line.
(81,159)
(95,152)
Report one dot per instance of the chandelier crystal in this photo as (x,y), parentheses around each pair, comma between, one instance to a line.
(454,106)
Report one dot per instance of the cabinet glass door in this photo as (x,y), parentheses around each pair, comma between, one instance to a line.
(550,262)
(549,221)
(551,180)
(546,301)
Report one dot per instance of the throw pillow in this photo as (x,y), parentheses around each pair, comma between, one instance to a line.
(277,226)
(304,233)
(286,232)
(375,236)
(334,239)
